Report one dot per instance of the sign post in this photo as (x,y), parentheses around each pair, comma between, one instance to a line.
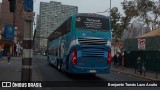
(27,43)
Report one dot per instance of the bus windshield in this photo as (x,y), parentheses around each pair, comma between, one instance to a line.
(92,23)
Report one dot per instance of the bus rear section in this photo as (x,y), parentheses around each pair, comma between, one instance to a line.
(90,56)
(92,50)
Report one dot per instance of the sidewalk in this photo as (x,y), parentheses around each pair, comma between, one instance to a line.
(131,71)
(11,71)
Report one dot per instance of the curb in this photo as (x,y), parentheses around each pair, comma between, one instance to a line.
(5,57)
(135,75)
(16,57)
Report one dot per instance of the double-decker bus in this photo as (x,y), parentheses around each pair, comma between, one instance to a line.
(82,44)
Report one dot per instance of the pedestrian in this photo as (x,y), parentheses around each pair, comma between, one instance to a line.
(0,54)
(119,59)
(115,59)
(143,66)
(139,64)
(9,56)
(122,60)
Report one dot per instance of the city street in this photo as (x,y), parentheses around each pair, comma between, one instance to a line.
(49,73)
(46,72)
(42,71)
(115,42)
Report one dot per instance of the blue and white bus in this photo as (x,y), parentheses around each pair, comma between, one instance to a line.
(82,44)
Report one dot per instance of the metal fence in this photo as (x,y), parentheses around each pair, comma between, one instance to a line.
(151,60)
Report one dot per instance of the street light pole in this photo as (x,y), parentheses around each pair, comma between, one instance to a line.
(110,7)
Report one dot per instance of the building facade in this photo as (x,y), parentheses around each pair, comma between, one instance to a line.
(52,14)
(15,19)
(0,20)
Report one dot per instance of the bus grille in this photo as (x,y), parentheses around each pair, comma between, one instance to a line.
(92,47)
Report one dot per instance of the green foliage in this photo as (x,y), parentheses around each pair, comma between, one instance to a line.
(142,9)
(147,10)
(118,23)
(115,17)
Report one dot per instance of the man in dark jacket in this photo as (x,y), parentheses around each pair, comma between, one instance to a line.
(9,56)
(115,59)
(120,59)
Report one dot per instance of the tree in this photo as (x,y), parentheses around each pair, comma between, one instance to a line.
(156,14)
(115,17)
(147,10)
(116,25)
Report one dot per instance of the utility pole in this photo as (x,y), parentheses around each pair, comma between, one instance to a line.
(27,43)
(12,8)
(110,7)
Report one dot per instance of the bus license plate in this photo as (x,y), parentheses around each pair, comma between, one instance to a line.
(92,71)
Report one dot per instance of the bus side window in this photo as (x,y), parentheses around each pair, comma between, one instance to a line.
(69,25)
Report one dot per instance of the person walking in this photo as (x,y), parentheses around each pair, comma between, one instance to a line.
(143,66)
(119,59)
(122,60)
(139,64)
(0,54)
(115,59)
(9,56)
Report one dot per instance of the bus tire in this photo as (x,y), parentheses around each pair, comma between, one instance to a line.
(59,65)
(62,66)
(49,62)
(67,63)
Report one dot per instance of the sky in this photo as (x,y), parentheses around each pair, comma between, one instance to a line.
(86,6)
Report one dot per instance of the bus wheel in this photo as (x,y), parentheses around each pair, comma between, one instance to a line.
(49,62)
(59,65)
(62,67)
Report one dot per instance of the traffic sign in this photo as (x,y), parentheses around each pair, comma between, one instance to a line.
(28,5)
(141,44)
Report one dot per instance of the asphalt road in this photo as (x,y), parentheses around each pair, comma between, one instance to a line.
(46,72)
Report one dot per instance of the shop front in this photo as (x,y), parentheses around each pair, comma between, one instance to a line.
(6,46)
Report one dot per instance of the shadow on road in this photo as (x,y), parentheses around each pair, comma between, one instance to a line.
(82,77)
(50,72)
